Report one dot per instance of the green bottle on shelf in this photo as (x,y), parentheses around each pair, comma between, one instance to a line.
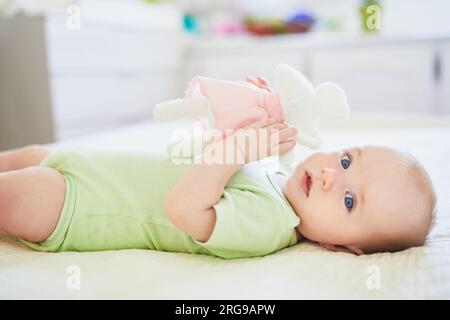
(370,12)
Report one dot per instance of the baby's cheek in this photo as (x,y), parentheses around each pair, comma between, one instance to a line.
(324,222)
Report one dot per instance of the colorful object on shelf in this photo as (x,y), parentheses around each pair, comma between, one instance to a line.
(190,23)
(228,28)
(370,12)
(264,26)
(299,22)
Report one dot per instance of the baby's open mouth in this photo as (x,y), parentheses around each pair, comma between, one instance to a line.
(305,183)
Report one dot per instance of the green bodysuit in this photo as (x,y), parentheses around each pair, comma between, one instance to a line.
(115,200)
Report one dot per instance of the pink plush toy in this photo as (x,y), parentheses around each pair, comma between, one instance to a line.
(236,104)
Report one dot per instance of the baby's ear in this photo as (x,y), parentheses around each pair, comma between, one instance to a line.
(336,248)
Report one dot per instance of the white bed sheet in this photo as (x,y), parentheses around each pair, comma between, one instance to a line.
(303,271)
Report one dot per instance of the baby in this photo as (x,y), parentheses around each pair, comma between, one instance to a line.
(360,200)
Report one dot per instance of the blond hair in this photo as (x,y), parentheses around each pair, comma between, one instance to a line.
(426,218)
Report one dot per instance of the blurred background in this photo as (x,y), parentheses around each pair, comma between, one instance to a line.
(72,68)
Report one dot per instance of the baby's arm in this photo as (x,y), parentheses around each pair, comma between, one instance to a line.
(189,205)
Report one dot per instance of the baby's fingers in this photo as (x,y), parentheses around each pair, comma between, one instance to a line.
(277,126)
(286,133)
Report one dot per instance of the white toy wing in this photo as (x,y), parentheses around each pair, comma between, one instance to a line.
(296,97)
(291,84)
(304,118)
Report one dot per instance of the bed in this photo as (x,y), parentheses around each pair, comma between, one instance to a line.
(304,271)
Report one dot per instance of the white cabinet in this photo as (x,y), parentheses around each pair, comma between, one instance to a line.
(377,73)
(97,47)
(385,77)
(94,103)
(103,76)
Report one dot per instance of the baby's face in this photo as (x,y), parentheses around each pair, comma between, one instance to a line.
(351,197)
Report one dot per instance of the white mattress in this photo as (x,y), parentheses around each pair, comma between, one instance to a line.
(303,271)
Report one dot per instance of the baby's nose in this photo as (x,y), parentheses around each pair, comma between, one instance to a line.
(327,176)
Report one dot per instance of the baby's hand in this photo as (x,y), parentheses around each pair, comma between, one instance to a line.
(264,138)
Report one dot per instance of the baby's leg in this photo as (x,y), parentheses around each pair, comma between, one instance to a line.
(22,157)
(31,200)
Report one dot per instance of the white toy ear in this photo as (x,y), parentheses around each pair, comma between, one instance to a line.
(291,84)
(303,116)
(330,101)
(297,95)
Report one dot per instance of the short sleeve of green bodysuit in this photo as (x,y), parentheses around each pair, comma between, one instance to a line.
(252,219)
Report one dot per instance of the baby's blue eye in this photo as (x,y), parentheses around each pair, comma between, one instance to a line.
(345,161)
(348,200)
